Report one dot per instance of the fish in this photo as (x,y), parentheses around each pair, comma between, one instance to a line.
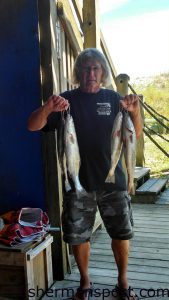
(61,153)
(129,149)
(72,155)
(116,146)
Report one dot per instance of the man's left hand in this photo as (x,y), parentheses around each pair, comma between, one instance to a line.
(131,103)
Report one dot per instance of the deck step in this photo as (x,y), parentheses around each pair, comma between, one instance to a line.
(141,174)
(149,191)
(152,186)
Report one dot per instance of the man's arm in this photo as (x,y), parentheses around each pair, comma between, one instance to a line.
(131,103)
(38,118)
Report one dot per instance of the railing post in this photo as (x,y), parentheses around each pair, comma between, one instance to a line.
(122,84)
(140,159)
(91,28)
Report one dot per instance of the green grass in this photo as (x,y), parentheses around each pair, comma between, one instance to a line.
(156,95)
(155,159)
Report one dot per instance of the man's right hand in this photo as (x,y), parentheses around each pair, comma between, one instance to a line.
(38,118)
(55,104)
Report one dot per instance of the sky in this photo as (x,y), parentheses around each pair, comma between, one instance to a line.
(137,35)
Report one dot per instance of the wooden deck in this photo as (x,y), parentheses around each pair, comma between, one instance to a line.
(148,270)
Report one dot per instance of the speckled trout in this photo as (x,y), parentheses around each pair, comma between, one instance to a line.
(116,146)
(61,153)
(129,148)
(72,155)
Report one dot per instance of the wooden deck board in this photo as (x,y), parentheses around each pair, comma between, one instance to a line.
(152,186)
(139,172)
(148,259)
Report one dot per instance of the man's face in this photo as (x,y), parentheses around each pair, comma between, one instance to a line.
(91,76)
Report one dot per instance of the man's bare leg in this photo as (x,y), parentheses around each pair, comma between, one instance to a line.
(121,252)
(82,253)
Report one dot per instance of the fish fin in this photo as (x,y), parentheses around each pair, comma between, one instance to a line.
(117,133)
(131,138)
(67,186)
(110,178)
(72,138)
(124,142)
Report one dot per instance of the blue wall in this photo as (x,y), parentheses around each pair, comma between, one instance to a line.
(21,172)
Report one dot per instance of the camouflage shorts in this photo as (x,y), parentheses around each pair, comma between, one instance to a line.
(79,215)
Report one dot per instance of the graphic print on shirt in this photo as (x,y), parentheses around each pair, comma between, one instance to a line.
(103,109)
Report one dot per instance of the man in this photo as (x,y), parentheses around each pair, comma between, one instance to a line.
(94,109)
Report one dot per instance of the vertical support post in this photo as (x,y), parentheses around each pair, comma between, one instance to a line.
(50,84)
(91,28)
(140,159)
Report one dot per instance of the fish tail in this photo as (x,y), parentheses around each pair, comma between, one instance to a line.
(81,193)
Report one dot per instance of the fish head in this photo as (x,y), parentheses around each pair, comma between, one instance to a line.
(70,134)
(127,123)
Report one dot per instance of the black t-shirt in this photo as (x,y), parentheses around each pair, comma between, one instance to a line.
(93,115)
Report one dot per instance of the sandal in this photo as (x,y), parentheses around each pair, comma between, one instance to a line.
(83,294)
(126,294)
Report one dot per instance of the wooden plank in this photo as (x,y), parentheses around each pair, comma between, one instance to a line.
(135,274)
(55,47)
(68,21)
(144,260)
(91,28)
(109,59)
(148,234)
(155,252)
(45,46)
(78,9)
(140,145)
(146,208)
(143,244)
(30,279)
(72,61)
(63,69)
(146,231)
(34,252)
(39,269)
(11,258)
(151,224)
(140,265)
(51,174)
(152,186)
(140,172)
(133,254)
(12,285)
(163,241)
(68,49)
(48,266)
(144,283)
